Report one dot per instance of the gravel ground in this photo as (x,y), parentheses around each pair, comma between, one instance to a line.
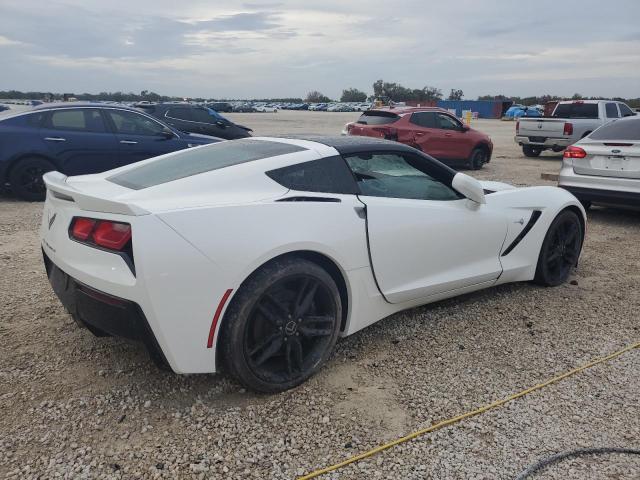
(75,406)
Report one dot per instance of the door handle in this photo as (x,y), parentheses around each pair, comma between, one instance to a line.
(448,135)
(419,134)
(55,139)
(128,142)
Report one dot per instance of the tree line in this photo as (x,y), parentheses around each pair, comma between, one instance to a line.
(384,91)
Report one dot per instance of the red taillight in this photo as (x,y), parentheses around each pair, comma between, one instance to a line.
(568,129)
(102,233)
(574,152)
(112,235)
(517,126)
(82,228)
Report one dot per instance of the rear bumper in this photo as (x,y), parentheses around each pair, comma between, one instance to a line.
(548,142)
(604,196)
(103,314)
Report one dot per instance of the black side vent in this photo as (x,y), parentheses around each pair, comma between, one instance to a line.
(532,221)
(309,199)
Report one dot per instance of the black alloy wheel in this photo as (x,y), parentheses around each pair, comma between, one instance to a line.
(282,325)
(560,249)
(26,180)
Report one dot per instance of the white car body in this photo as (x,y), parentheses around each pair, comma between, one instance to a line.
(605,166)
(196,239)
(266,109)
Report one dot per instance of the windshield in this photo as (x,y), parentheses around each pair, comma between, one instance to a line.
(377,117)
(627,129)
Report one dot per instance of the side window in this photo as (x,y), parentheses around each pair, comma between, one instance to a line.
(80,120)
(30,120)
(181,113)
(131,123)
(205,115)
(327,175)
(447,123)
(612,110)
(424,119)
(396,175)
(625,110)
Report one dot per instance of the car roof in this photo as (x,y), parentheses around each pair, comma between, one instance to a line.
(407,109)
(346,144)
(59,105)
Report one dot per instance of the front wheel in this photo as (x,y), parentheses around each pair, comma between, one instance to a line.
(530,151)
(560,250)
(281,326)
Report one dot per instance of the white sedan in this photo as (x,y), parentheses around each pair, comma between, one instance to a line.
(266,109)
(257,254)
(604,167)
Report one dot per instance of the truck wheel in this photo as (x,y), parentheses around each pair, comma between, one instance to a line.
(530,151)
(25,178)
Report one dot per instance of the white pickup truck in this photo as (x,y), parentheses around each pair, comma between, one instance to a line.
(569,122)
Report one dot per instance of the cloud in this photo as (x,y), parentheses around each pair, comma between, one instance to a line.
(286,48)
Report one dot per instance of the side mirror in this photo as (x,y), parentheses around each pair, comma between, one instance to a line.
(465,127)
(167,133)
(469,187)
(221,124)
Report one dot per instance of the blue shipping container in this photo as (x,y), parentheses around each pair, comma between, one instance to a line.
(485,108)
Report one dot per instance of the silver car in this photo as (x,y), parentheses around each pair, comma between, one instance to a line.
(604,167)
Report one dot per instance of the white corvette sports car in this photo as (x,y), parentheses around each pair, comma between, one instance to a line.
(257,254)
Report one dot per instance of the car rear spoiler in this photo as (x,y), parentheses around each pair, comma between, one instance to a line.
(57,185)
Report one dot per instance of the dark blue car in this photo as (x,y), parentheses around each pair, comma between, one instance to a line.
(78,139)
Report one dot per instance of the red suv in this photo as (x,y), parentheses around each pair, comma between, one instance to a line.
(433,130)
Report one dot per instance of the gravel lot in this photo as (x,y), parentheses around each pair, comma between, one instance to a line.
(76,406)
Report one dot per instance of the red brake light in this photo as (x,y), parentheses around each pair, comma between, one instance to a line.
(102,233)
(517,126)
(82,228)
(568,128)
(574,152)
(112,235)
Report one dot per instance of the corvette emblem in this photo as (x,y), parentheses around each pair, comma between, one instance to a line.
(52,219)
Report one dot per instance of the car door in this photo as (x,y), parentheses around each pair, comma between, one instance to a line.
(181,117)
(424,237)
(451,141)
(211,122)
(421,131)
(79,140)
(140,136)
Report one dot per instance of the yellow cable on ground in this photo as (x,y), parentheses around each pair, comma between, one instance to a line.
(473,413)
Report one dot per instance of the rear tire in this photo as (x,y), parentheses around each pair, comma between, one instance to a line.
(25,178)
(530,151)
(560,250)
(281,326)
(478,158)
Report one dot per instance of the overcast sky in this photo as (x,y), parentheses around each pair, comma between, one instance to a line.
(255,49)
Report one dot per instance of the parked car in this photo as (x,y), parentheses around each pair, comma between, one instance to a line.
(570,121)
(4,108)
(291,243)
(78,139)
(431,130)
(604,167)
(266,109)
(223,107)
(243,108)
(197,119)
